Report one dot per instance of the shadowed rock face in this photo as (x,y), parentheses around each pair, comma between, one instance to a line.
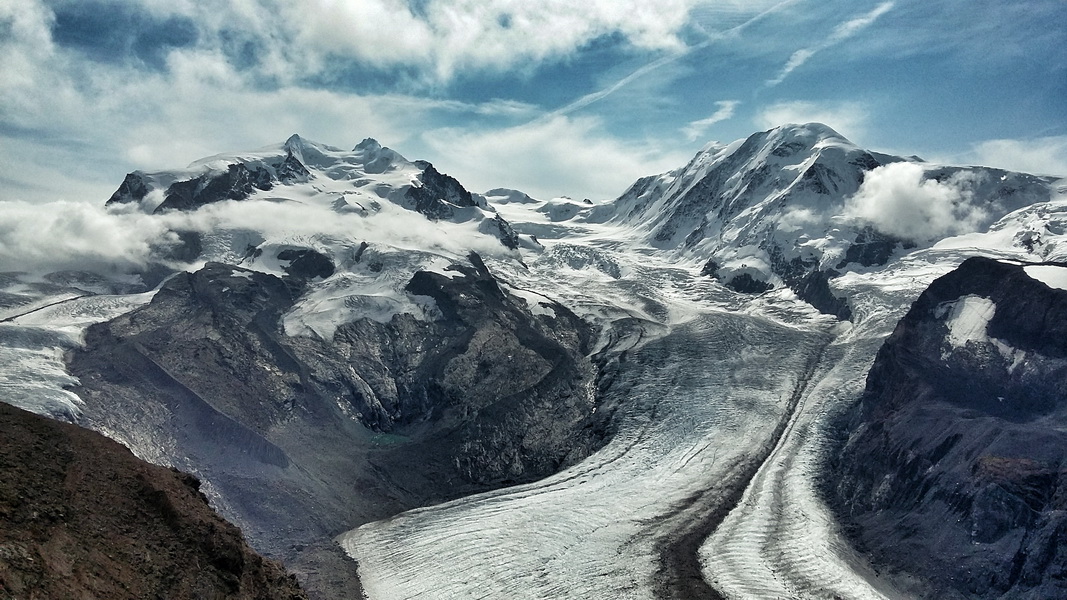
(81,517)
(299,439)
(954,463)
(438,193)
(237,183)
(132,189)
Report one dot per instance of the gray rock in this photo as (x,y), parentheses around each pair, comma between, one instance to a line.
(299,439)
(953,465)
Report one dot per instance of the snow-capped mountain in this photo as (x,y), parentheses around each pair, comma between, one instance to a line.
(357,181)
(774,209)
(630,399)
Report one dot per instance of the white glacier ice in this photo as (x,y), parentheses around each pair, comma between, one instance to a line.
(967,320)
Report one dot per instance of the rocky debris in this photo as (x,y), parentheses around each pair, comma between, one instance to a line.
(506,233)
(746,284)
(83,518)
(952,466)
(303,265)
(872,248)
(291,170)
(810,284)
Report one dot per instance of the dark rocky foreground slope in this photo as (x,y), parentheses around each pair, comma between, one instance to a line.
(299,439)
(81,517)
(955,464)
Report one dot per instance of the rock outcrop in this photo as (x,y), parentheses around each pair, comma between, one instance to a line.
(438,195)
(81,517)
(301,438)
(953,466)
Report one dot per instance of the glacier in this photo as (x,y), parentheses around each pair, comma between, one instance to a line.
(719,400)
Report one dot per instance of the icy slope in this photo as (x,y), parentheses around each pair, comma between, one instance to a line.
(41,317)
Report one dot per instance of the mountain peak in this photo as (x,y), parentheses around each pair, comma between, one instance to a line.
(368,145)
(807,134)
(294,141)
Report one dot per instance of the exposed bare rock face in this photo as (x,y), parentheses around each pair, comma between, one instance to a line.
(954,463)
(300,438)
(81,517)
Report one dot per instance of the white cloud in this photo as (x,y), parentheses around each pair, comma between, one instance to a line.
(75,131)
(547,158)
(840,33)
(75,235)
(81,236)
(26,41)
(443,36)
(896,199)
(118,119)
(1042,156)
(435,39)
(724,110)
(853,26)
(847,118)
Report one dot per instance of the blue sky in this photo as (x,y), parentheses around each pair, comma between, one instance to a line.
(553,97)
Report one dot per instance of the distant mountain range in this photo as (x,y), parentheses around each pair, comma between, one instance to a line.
(362,359)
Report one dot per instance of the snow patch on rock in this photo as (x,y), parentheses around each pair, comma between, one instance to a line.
(1051,275)
(967,320)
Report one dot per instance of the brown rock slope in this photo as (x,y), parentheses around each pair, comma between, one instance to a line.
(82,518)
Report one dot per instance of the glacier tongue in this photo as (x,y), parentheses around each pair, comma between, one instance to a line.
(34,338)
(705,400)
(692,402)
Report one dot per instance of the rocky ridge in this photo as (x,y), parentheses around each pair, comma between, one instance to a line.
(383,417)
(84,518)
(951,466)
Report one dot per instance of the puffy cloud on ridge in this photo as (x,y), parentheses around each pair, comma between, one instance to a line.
(897,199)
